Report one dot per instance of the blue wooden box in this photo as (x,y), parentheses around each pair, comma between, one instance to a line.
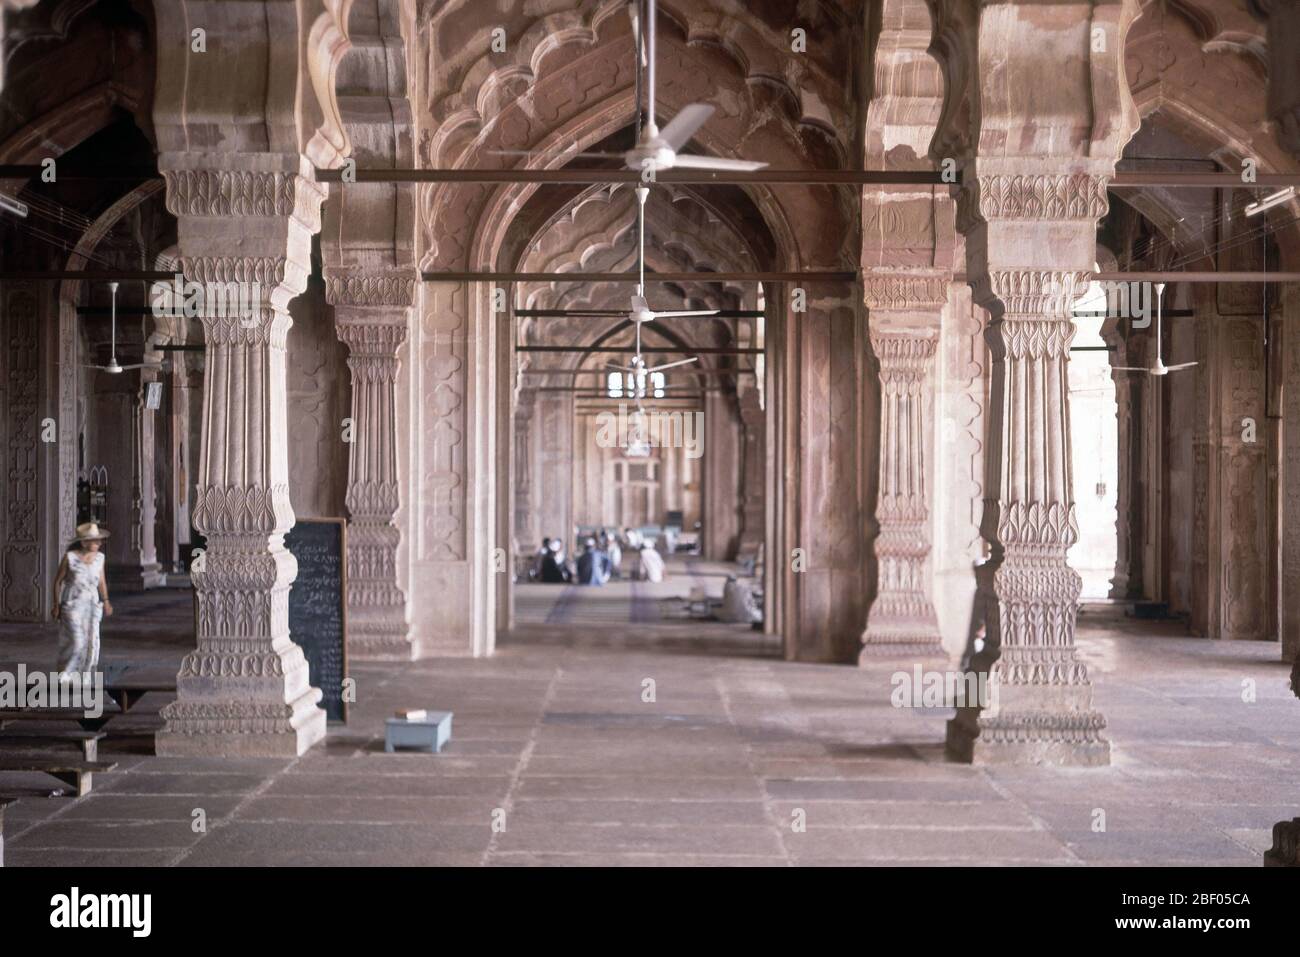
(427,735)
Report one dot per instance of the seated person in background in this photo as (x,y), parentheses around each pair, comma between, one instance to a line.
(554,571)
(610,544)
(652,564)
(739,603)
(593,565)
(539,557)
(666,543)
(632,539)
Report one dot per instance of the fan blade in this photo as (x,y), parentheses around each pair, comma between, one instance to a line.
(614,365)
(670,365)
(1129,369)
(143,365)
(1181,365)
(689,312)
(683,126)
(687,161)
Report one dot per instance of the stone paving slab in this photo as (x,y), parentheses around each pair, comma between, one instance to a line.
(761,840)
(533,859)
(660,813)
(935,844)
(713,773)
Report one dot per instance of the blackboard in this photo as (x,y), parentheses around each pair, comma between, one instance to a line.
(318,606)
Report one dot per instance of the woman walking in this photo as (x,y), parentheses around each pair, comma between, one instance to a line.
(81,591)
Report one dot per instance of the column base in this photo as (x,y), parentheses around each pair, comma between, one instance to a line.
(240,729)
(877,646)
(377,629)
(135,578)
(1285,851)
(892,635)
(1036,723)
(380,646)
(242,704)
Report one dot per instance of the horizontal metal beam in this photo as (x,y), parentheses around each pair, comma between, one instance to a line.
(103,275)
(698,177)
(123,275)
(633,278)
(1196,276)
(64,172)
(602,372)
(1168,314)
(586,392)
(646,350)
(614,314)
(1175,276)
(1140,179)
(1123,179)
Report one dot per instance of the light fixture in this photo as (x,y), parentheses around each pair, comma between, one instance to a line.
(1268,202)
(11,205)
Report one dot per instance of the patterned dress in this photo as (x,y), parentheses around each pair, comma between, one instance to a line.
(80,612)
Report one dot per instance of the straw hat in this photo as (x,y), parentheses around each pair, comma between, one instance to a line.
(91,532)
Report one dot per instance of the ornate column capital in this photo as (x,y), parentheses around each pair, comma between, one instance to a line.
(902,290)
(904,354)
(207,191)
(374,337)
(391,288)
(1029,294)
(1009,188)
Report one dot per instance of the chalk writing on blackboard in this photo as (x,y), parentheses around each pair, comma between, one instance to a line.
(317,606)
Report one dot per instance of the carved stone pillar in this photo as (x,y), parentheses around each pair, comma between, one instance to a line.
(817,556)
(15,6)
(1037,137)
(244,690)
(124,446)
(901,621)
(752,478)
(526,534)
(372,316)
(1039,697)
(1127,581)
(1283,18)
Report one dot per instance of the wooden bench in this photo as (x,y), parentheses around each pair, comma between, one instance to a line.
(26,735)
(55,714)
(126,685)
(70,771)
(5,801)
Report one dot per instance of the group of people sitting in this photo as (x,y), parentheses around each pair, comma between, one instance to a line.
(600,560)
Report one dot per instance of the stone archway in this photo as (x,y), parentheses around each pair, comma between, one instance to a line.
(569,86)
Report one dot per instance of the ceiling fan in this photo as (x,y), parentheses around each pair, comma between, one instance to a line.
(1159,368)
(656,149)
(641,312)
(114,367)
